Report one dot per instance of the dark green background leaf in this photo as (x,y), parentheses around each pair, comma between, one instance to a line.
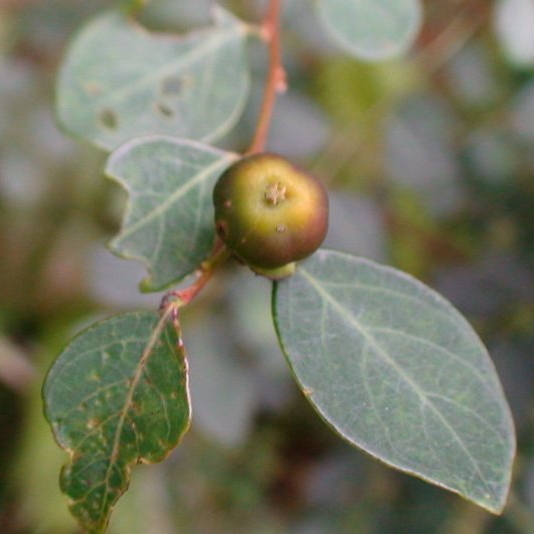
(116,396)
(119,81)
(372,29)
(168,223)
(397,371)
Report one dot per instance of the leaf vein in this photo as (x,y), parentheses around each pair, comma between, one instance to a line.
(347,316)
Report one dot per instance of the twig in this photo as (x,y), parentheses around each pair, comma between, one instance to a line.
(276,78)
(181,297)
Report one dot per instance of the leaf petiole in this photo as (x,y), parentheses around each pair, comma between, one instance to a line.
(174,300)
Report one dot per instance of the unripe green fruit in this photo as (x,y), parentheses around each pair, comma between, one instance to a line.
(270,213)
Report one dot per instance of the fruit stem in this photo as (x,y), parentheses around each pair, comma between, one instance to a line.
(276,78)
(174,300)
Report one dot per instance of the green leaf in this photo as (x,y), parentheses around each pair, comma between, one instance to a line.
(116,396)
(168,223)
(372,29)
(119,81)
(398,372)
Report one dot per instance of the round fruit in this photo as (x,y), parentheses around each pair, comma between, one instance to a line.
(270,213)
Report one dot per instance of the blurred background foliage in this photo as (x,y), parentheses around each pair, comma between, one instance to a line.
(430,160)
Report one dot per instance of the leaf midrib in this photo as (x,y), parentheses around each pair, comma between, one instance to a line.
(345,313)
(218,38)
(128,401)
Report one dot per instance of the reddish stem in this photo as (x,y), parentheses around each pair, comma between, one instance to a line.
(276,78)
(182,297)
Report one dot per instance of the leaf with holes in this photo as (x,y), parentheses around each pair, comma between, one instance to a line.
(372,29)
(119,81)
(116,396)
(168,223)
(398,372)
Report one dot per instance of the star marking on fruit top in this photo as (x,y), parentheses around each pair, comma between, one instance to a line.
(275,193)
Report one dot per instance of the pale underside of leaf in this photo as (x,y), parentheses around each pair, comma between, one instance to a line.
(120,81)
(116,396)
(168,223)
(397,371)
(372,29)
